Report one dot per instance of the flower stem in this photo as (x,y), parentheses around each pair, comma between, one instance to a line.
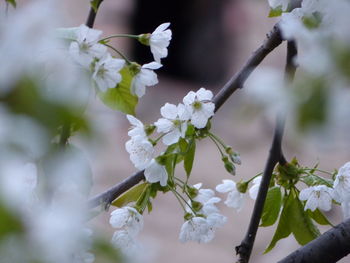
(120,35)
(119,53)
(217,145)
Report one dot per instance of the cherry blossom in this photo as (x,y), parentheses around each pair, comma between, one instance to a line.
(127,218)
(235,199)
(159,41)
(200,106)
(319,196)
(106,73)
(196,229)
(86,48)
(342,184)
(145,78)
(174,123)
(253,191)
(141,151)
(137,127)
(154,172)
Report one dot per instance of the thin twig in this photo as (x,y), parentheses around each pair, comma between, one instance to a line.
(330,247)
(90,21)
(275,156)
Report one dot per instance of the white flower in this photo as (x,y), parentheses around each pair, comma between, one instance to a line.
(137,127)
(196,229)
(174,123)
(155,172)
(86,47)
(235,199)
(319,196)
(253,191)
(208,200)
(125,242)
(216,220)
(106,72)
(159,41)
(127,218)
(145,78)
(341,184)
(200,106)
(276,3)
(141,151)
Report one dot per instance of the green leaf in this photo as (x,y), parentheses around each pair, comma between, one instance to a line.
(12,2)
(104,249)
(318,217)
(183,146)
(95,4)
(274,12)
(169,164)
(9,223)
(312,180)
(272,206)
(189,157)
(130,196)
(301,225)
(283,228)
(120,98)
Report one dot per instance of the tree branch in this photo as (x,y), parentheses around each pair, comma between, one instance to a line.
(275,155)
(92,15)
(327,248)
(273,40)
(107,197)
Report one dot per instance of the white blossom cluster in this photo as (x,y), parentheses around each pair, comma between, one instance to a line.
(196,109)
(321,196)
(128,222)
(202,228)
(87,49)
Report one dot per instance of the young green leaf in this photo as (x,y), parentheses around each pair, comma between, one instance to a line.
(130,196)
(283,228)
(272,206)
(312,180)
(318,217)
(301,225)
(9,222)
(120,98)
(189,157)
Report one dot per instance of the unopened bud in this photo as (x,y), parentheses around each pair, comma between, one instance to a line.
(149,129)
(144,39)
(192,192)
(242,186)
(196,206)
(229,166)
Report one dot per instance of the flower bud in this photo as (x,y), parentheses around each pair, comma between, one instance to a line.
(242,186)
(229,166)
(149,129)
(144,39)
(196,206)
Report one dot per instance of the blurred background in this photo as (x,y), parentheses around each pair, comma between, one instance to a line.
(211,41)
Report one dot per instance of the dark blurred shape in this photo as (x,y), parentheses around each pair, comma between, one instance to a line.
(198,50)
